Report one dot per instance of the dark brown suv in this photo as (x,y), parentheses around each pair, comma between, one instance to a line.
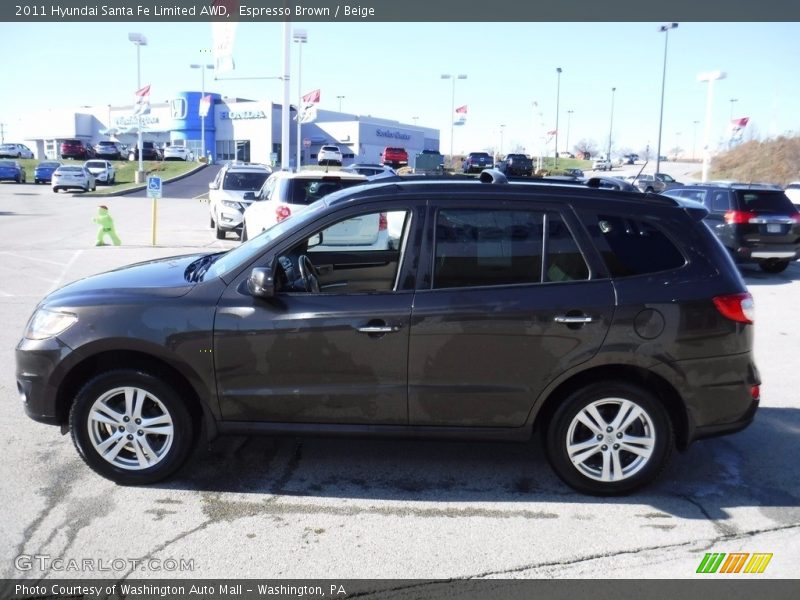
(615,328)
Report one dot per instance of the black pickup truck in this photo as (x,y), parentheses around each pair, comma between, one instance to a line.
(516,164)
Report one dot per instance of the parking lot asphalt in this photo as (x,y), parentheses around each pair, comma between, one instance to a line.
(316,507)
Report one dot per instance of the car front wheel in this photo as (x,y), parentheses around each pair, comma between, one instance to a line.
(609,438)
(131,427)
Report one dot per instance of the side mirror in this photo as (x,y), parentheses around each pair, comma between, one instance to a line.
(315,240)
(261,283)
(249,196)
(213,186)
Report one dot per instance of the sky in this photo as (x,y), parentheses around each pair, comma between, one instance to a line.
(393,70)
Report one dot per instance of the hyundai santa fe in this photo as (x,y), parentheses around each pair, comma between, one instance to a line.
(615,329)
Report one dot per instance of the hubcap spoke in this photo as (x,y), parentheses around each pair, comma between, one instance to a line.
(144,460)
(624,409)
(642,446)
(616,466)
(592,419)
(606,474)
(103,414)
(121,442)
(148,450)
(633,415)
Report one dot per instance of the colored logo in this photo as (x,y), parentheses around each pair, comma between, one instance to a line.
(178,108)
(735,562)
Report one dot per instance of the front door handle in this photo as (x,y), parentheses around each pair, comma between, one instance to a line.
(570,320)
(379,329)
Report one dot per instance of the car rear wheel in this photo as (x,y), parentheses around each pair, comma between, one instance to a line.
(609,438)
(773,265)
(220,233)
(131,427)
(56,189)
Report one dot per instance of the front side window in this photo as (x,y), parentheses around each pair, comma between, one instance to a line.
(503,247)
(360,254)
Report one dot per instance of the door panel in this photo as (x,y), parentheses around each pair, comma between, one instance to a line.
(301,358)
(480,357)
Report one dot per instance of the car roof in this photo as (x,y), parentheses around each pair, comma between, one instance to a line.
(735,185)
(246,167)
(310,174)
(516,189)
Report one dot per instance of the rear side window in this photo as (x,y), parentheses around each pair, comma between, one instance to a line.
(632,246)
(503,247)
(719,201)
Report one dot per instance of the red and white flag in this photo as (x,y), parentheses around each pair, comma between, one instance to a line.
(311,97)
(142,106)
(461,115)
(740,122)
(205,105)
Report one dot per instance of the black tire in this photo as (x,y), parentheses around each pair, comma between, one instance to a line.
(56,189)
(221,234)
(243,235)
(126,468)
(652,424)
(211,222)
(36,182)
(773,265)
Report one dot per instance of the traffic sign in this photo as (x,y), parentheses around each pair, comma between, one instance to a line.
(154,187)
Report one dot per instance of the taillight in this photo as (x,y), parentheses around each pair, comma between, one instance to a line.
(282,212)
(383,223)
(796,217)
(736,307)
(737,217)
(755,392)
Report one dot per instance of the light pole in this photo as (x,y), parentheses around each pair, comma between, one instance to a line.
(452,110)
(732,100)
(340,102)
(202,99)
(502,129)
(558,99)
(694,138)
(569,119)
(300,37)
(139,40)
(710,78)
(611,125)
(665,29)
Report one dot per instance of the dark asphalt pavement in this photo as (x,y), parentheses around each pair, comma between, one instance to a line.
(189,187)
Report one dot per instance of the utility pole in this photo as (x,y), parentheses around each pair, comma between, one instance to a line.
(2,133)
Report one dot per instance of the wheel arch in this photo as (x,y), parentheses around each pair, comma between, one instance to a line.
(659,386)
(202,417)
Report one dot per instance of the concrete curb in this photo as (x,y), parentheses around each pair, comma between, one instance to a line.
(142,186)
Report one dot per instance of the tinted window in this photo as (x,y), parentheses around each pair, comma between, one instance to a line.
(633,246)
(564,259)
(719,201)
(249,182)
(483,247)
(765,201)
(306,191)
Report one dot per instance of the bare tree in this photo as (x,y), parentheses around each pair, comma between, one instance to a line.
(586,146)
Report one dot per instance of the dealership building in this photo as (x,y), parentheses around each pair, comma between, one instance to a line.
(234,129)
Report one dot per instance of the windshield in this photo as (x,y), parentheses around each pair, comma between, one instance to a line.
(7,163)
(246,182)
(307,191)
(96,164)
(250,249)
(50,165)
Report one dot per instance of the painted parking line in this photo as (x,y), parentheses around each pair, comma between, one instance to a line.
(34,259)
(64,271)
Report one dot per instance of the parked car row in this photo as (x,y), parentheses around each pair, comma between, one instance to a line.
(15,151)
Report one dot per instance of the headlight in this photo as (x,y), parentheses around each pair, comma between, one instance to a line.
(47,323)
(231,204)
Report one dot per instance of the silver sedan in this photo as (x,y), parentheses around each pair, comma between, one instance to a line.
(73,176)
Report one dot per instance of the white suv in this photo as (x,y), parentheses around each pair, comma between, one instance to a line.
(329,155)
(226,194)
(601,164)
(286,193)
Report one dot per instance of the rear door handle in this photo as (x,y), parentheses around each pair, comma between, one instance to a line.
(573,320)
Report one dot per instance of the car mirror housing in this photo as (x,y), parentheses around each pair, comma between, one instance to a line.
(261,283)
(213,186)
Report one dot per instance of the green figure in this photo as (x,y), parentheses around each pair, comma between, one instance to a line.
(106,227)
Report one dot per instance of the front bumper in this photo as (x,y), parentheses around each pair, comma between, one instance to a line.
(39,373)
